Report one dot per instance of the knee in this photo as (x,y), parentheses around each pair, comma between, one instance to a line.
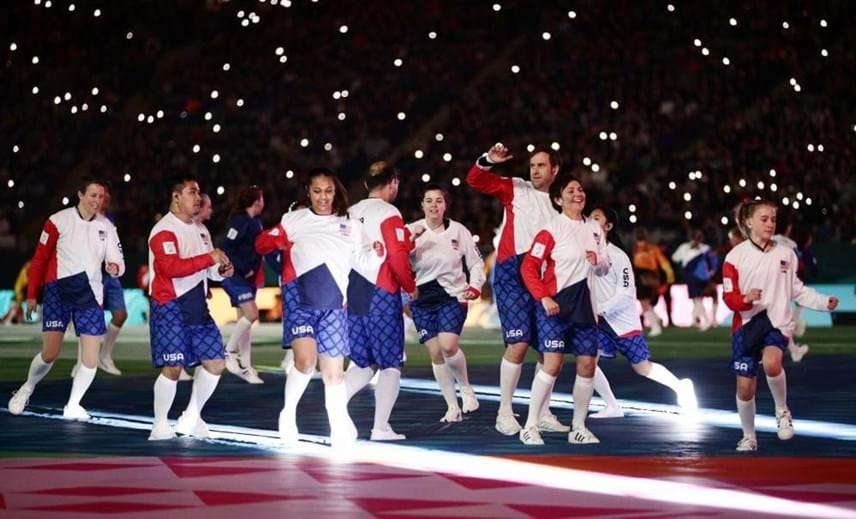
(171,372)
(304,364)
(215,367)
(437,357)
(642,368)
(586,366)
(49,356)
(745,393)
(516,352)
(773,368)
(119,318)
(251,315)
(332,378)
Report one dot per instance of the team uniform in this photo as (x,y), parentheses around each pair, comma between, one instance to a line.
(239,245)
(556,266)
(768,322)
(446,263)
(648,261)
(376,327)
(620,329)
(182,330)
(697,261)
(525,211)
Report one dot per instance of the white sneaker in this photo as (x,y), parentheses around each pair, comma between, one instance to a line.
(799,328)
(786,424)
(251,375)
(799,352)
(184,375)
(191,424)
(452,415)
(747,444)
(288,433)
(233,363)
(582,435)
(507,424)
(74,369)
(686,396)
(386,435)
(548,422)
(161,431)
(608,412)
(20,399)
(469,402)
(75,412)
(655,331)
(531,436)
(108,366)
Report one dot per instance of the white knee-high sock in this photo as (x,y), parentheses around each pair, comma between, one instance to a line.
(110,341)
(601,385)
(356,378)
(241,327)
(509,375)
(444,379)
(457,364)
(295,386)
(336,404)
(662,375)
(583,390)
(82,380)
(541,386)
(204,384)
(38,369)
(386,393)
(746,410)
(164,397)
(245,348)
(779,389)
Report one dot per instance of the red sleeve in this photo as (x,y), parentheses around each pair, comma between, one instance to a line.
(731,289)
(491,184)
(45,253)
(396,237)
(272,239)
(167,263)
(530,270)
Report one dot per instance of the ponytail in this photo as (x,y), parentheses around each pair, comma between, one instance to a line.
(745,210)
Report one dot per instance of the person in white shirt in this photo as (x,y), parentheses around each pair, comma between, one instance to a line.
(449,272)
(698,263)
(73,247)
(759,281)
(620,329)
(559,272)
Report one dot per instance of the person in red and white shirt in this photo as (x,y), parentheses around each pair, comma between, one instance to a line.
(182,332)
(559,272)
(449,272)
(759,281)
(73,247)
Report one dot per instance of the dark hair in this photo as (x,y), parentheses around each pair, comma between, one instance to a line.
(380,174)
(246,197)
(433,186)
(88,181)
(177,182)
(562,180)
(611,217)
(745,210)
(555,159)
(340,199)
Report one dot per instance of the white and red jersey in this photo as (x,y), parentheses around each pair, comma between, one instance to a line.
(446,262)
(615,293)
(72,251)
(556,265)
(318,253)
(179,261)
(527,210)
(774,272)
(382,224)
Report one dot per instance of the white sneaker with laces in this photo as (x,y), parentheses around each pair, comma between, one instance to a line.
(785,423)
(75,412)
(288,433)
(608,412)
(233,363)
(452,415)
(507,424)
(798,352)
(548,422)
(20,399)
(747,444)
(531,436)
(251,375)
(469,402)
(582,435)
(191,424)
(161,431)
(386,435)
(108,366)
(799,328)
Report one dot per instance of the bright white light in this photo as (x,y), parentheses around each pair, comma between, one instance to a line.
(732,22)
(341,116)
(724,220)
(343,29)
(613,105)
(439,137)
(208,116)
(603,136)
(632,208)
(726,61)
(742,182)
(196,148)
(632,218)
(786,25)
(786,200)
(279,51)
(289,174)
(799,195)
(398,62)
(127,177)
(401,116)
(226,67)
(141,117)
(65,200)
(823,23)
(613,136)
(774,188)
(808,201)
(71,7)
(457,182)
(572,14)
(586,161)
(48,4)
(432,35)
(97,13)
(245,23)
(687,197)
(150,119)
(10,183)
(67,96)
(726,188)
(546,36)
(337,95)
(797,88)
(688,215)
(426,177)
(344,94)
(810,147)
(15,148)
(418,154)
(760,184)
(328,146)
(35,60)
(497,7)
(793,81)
(673,185)
(215,94)
(13,46)
(221,190)
(595,167)
(704,51)
(215,159)
(241,14)
(84,107)
(35,90)
(515,69)
(824,53)
(216,128)
(57,100)
(820,148)
(476,237)
(129,36)
(530,148)
(670,8)
(304,143)
(21,202)
(159,114)
(555,146)
(74,109)
(772,172)
(239,103)
(795,205)
(697,42)
(447,157)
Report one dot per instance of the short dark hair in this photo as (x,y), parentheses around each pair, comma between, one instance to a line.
(88,181)
(611,216)
(246,197)
(555,158)
(177,182)
(380,174)
(562,180)
(434,186)
(340,199)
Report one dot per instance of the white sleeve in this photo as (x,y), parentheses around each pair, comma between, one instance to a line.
(803,295)
(601,268)
(114,250)
(624,298)
(475,263)
(678,255)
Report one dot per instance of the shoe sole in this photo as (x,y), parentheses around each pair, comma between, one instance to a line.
(505,432)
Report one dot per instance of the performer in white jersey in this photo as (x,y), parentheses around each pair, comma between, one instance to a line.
(449,272)
(619,326)
(182,332)
(759,281)
(559,272)
(320,244)
(73,247)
